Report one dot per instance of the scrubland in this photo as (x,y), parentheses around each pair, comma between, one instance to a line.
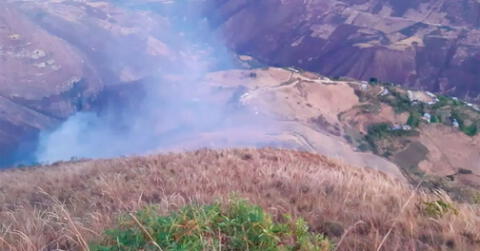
(69,206)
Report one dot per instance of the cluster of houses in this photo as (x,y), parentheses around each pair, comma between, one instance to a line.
(474,107)
(434,98)
(384,91)
(401,128)
(428,97)
(416,98)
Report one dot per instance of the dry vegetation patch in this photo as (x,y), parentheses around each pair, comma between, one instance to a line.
(69,205)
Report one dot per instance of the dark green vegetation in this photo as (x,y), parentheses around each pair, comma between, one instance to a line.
(399,101)
(236,226)
(446,110)
(398,142)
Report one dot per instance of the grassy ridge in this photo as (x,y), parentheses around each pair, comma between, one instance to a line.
(69,206)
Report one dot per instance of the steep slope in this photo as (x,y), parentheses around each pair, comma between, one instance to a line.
(430,44)
(307,111)
(95,56)
(293,109)
(61,206)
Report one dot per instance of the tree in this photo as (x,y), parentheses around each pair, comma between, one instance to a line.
(414,119)
(470,130)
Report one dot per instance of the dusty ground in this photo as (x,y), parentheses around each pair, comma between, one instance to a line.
(362,120)
(309,112)
(450,151)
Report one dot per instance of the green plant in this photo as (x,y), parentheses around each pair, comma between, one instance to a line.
(435,119)
(442,101)
(382,131)
(398,101)
(476,198)
(235,226)
(470,130)
(439,208)
(414,119)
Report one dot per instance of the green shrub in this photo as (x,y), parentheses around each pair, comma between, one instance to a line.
(379,130)
(470,130)
(476,198)
(435,119)
(398,101)
(442,101)
(414,119)
(439,208)
(236,226)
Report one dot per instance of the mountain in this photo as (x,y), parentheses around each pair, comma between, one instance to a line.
(429,45)
(371,106)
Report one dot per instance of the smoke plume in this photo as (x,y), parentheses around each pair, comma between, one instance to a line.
(174,105)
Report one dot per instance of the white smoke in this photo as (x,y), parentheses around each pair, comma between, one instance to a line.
(170,111)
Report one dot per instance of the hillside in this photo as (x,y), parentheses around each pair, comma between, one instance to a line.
(363,124)
(430,44)
(322,125)
(68,204)
(145,47)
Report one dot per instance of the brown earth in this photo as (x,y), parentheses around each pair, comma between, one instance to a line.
(450,151)
(360,119)
(298,112)
(312,113)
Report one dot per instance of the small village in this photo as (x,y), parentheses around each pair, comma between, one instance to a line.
(422,106)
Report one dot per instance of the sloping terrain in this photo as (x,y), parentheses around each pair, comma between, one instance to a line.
(87,55)
(429,44)
(299,111)
(62,57)
(67,205)
(310,112)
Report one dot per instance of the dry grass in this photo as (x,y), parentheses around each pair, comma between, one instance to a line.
(69,205)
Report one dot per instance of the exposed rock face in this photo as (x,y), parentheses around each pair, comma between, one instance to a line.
(430,44)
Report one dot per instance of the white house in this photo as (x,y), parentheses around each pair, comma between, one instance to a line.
(427,117)
(455,123)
